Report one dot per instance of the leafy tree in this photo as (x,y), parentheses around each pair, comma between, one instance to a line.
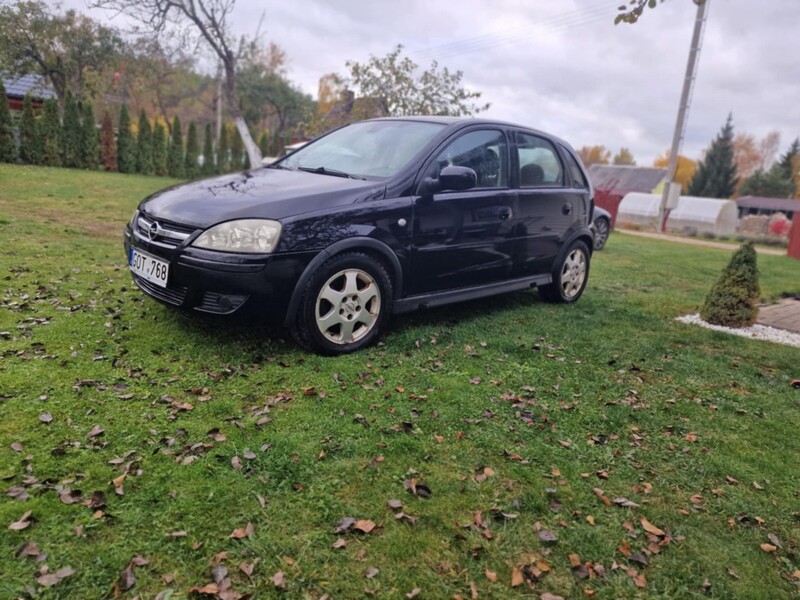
(191,167)
(69,50)
(684,171)
(108,145)
(50,134)
(787,162)
(267,98)
(71,134)
(208,152)
(732,300)
(208,21)
(716,174)
(223,153)
(159,150)
(175,158)
(126,144)
(236,151)
(630,12)
(392,81)
(624,157)
(8,146)
(144,145)
(594,155)
(30,143)
(90,152)
(769,184)
(263,143)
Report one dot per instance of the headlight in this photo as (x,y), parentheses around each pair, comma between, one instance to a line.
(132,222)
(257,236)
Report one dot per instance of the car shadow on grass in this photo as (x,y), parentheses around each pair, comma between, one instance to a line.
(261,340)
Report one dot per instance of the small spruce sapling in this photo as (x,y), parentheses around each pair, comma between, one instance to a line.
(732,300)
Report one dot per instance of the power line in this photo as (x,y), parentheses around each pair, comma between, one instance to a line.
(516,34)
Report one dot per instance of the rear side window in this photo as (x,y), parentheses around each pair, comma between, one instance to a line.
(577,172)
(539,165)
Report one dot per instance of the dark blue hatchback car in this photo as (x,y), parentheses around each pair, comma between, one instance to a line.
(375,218)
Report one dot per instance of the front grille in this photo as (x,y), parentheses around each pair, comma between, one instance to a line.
(167,234)
(173,295)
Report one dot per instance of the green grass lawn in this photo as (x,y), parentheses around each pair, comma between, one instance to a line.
(595,450)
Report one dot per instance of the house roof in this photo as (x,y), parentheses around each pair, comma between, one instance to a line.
(35,85)
(624,179)
(782,204)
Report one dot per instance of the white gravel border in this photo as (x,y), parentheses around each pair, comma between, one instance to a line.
(755,332)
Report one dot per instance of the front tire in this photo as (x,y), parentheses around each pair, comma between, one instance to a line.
(570,276)
(344,306)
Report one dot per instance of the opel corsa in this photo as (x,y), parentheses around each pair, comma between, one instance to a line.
(372,219)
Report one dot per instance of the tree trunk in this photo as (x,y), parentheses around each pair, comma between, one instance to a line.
(253,152)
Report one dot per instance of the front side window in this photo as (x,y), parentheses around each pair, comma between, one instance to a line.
(482,151)
(370,149)
(539,165)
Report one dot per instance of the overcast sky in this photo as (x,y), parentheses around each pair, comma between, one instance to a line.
(561,65)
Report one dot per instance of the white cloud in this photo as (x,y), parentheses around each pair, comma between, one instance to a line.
(563,66)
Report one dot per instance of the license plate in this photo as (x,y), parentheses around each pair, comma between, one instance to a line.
(149,267)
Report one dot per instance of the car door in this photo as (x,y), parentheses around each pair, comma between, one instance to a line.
(462,238)
(548,204)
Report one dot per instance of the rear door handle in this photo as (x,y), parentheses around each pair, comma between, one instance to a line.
(504,213)
(567,208)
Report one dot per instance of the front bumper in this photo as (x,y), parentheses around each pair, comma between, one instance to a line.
(216,283)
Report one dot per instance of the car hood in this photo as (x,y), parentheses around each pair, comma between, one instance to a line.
(262,193)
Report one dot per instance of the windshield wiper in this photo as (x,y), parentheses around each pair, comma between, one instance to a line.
(324,171)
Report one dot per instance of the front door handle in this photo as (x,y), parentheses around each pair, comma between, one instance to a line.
(504,213)
(567,208)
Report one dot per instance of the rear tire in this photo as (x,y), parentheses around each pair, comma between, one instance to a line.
(602,228)
(344,305)
(570,276)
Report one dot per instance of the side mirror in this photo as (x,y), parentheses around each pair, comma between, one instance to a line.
(457,178)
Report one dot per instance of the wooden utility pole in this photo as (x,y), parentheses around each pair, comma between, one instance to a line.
(669,198)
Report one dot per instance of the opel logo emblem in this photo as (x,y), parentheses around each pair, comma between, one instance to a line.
(152,232)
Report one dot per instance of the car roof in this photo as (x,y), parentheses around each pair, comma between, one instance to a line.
(457,122)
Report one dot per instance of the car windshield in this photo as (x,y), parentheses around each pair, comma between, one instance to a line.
(370,149)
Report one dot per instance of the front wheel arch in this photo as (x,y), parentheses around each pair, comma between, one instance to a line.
(369,246)
(345,305)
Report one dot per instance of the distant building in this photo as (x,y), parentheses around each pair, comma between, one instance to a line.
(18,87)
(622,179)
(757,205)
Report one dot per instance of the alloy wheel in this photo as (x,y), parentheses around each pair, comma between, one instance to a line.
(573,273)
(348,306)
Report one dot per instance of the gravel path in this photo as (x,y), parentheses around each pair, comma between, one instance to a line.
(756,332)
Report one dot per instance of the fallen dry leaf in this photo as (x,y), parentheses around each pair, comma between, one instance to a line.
(243,532)
(372,572)
(768,547)
(95,432)
(363,525)
(490,575)
(516,577)
(650,528)
(127,579)
(279,580)
(414,593)
(23,522)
